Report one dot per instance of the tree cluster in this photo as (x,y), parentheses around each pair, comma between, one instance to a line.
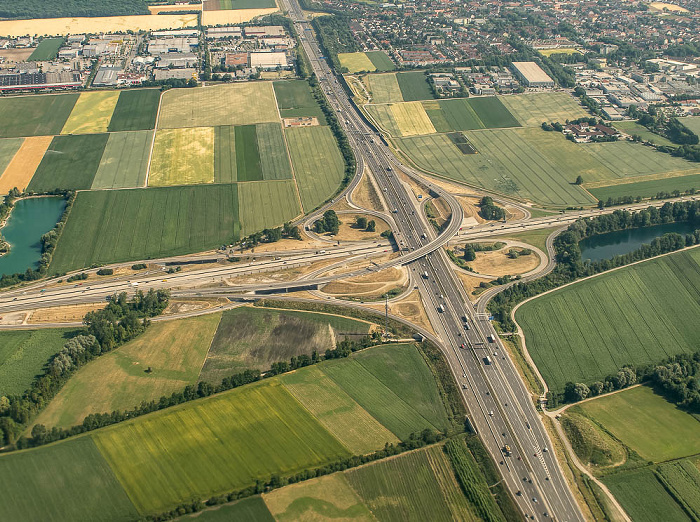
(272,235)
(335,37)
(678,379)
(71,8)
(488,210)
(328,223)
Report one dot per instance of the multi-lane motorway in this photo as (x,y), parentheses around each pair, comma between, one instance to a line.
(500,407)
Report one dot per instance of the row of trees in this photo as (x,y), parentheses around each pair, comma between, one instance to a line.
(71,8)
(272,235)
(568,254)
(119,322)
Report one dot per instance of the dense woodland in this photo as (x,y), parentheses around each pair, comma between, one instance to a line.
(69,8)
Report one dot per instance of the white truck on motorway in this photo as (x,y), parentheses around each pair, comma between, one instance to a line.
(441,308)
(487,359)
(425,275)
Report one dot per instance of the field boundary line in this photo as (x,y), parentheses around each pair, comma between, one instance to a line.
(153,141)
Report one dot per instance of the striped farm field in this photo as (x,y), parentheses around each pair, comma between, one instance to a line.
(381,60)
(636,315)
(295,99)
(356,62)
(492,113)
(647,188)
(526,163)
(230,104)
(225,168)
(125,160)
(35,115)
(247,153)
(124,225)
(242,435)
(70,162)
(136,109)
(21,168)
(414,86)
(411,119)
(91,113)
(182,157)
(533,108)
(274,159)
(683,479)
(458,113)
(383,116)
(67,481)
(8,149)
(318,165)
(384,88)
(266,204)
(174,350)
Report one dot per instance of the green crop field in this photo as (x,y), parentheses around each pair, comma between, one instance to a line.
(632,128)
(381,401)
(459,115)
(70,162)
(46,50)
(68,481)
(251,337)
(251,509)
(174,350)
(397,365)
(124,161)
(337,411)
(274,159)
(414,86)
(182,157)
(492,113)
(225,169)
(356,62)
(23,354)
(247,154)
(533,108)
(646,423)
(266,204)
(636,315)
(682,478)
(692,122)
(241,435)
(124,225)
(647,188)
(419,485)
(231,104)
(294,99)
(381,61)
(8,149)
(35,115)
(526,163)
(384,88)
(318,165)
(644,498)
(433,109)
(135,110)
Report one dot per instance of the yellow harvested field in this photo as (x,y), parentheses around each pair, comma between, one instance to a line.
(356,62)
(20,170)
(231,104)
(63,314)
(182,157)
(92,113)
(349,232)
(562,50)
(660,6)
(105,24)
(234,16)
(412,119)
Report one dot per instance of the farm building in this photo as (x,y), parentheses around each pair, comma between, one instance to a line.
(531,75)
(583,133)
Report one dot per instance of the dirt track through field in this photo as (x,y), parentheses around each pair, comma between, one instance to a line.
(22,167)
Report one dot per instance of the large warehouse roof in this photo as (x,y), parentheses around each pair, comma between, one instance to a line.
(532,72)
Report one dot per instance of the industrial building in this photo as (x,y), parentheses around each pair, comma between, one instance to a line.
(531,75)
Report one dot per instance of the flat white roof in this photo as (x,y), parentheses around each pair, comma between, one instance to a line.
(532,72)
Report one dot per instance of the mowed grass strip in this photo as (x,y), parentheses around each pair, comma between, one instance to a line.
(384,88)
(247,154)
(217,444)
(225,169)
(91,113)
(66,481)
(647,423)
(637,315)
(325,498)
(318,165)
(35,115)
(23,354)
(125,225)
(136,109)
(412,119)
(414,86)
(125,160)
(232,104)
(531,109)
(24,163)
(274,159)
(381,60)
(644,498)
(173,350)
(356,62)
(337,411)
(407,488)
(70,162)
(266,204)
(182,157)
(46,50)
